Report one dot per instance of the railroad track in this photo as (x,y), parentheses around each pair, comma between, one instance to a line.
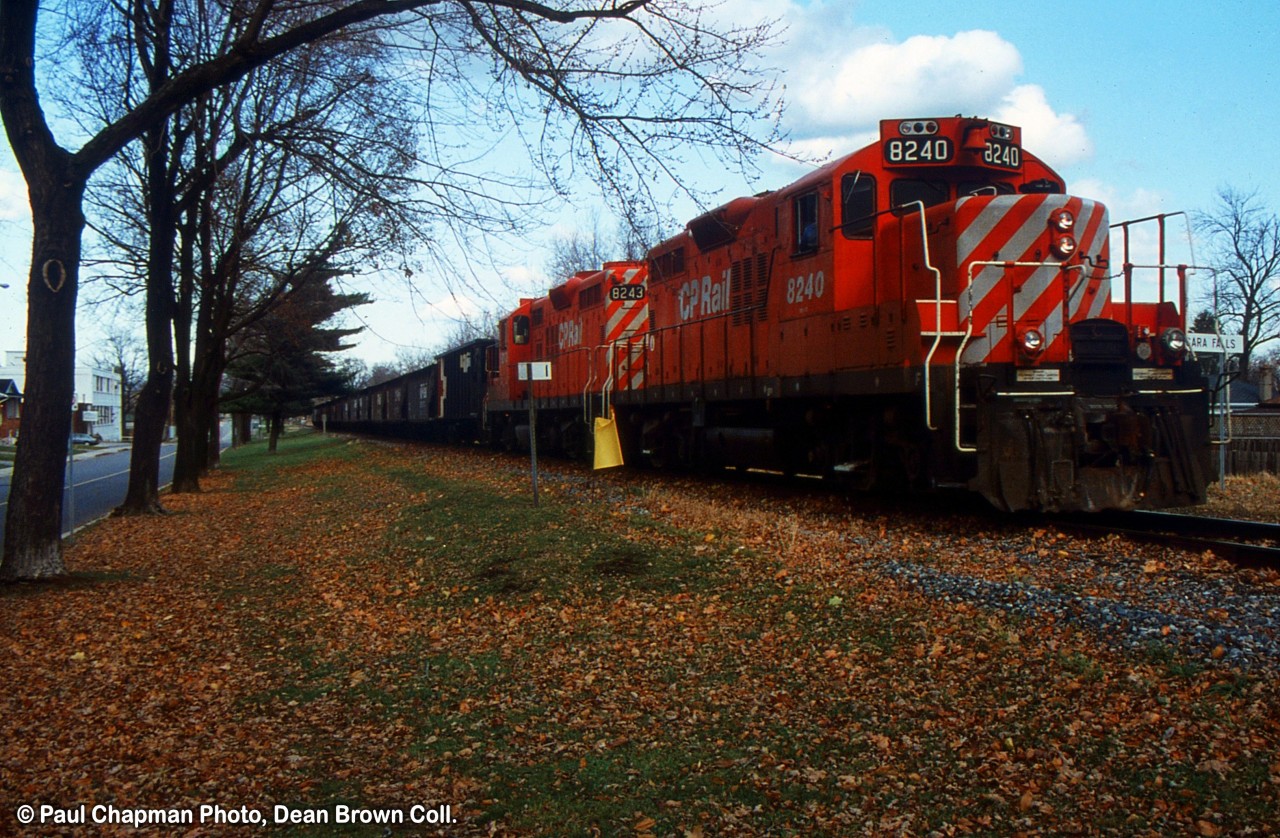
(1245,543)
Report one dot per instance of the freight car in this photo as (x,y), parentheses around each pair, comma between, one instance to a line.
(443,402)
(932,310)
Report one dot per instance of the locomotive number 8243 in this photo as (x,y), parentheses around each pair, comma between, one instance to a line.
(627,292)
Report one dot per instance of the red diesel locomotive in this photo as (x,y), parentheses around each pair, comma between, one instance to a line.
(933,309)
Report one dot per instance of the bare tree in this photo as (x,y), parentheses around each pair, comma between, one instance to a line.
(617,102)
(637,233)
(587,250)
(327,179)
(407,359)
(1243,239)
(581,250)
(379,373)
(481,324)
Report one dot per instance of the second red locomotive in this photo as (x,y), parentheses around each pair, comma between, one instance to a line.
(933,309)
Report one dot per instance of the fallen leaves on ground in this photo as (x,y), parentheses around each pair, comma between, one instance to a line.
(294,637)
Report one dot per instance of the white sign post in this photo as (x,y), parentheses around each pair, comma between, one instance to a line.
(534,371)
(531,372)
(71,474)
(1210,343)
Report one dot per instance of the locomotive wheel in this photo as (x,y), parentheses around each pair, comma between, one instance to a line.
(902,467)
(576,440)
(661,455)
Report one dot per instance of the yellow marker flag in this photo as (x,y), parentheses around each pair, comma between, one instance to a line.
(608,449)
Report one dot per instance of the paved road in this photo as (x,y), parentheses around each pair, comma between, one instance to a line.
(101,479)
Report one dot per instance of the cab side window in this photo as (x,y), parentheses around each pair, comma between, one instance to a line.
(857,205)
(520,330)
(804,211)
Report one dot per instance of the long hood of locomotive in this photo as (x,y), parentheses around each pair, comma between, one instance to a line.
(1011,279)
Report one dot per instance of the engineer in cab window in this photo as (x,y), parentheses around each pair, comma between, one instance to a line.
(806,215)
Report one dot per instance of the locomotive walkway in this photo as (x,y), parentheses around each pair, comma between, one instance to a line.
(362,630)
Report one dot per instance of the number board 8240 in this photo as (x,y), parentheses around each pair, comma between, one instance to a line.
(1003,155)
(917,151)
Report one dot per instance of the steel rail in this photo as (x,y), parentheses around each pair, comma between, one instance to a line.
(1246,543)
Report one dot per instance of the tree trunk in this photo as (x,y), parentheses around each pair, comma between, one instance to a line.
(188,461)
(150,421)
(199,451)
(242,428)
(277,426)
(207,404)
(33,521)
(192,436)
(186,470)
(186,476)
(151,417)
(215,442)
(198,406)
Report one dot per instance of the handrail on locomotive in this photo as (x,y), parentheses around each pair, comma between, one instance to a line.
(968,335)
(1183,271)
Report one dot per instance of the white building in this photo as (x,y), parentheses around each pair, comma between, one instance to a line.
(97,395)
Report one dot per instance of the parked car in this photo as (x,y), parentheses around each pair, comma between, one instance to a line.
(85,439)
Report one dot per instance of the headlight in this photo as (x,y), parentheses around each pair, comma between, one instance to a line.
(1063,220)
(1063,246)
(1032,342)
(1174,341)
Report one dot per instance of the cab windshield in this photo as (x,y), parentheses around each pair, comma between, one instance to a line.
(904,192)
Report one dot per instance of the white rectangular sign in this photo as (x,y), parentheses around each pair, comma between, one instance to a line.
(1039,375)
(535,371)
(1208,342)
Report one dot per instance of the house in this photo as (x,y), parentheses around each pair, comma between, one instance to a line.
(10,410)
(97,396)
(1255,428)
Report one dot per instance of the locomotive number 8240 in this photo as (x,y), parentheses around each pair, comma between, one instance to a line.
(898,151)
(1004,155)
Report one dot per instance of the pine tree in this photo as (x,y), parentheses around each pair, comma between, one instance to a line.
(283,366)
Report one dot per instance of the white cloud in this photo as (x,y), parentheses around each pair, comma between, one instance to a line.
(1144,238)
(1058,138)
(843,78)
(821,150)
(1136,203)
(925,75)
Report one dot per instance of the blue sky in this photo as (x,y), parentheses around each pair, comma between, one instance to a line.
(1148,106)
(1178,97)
